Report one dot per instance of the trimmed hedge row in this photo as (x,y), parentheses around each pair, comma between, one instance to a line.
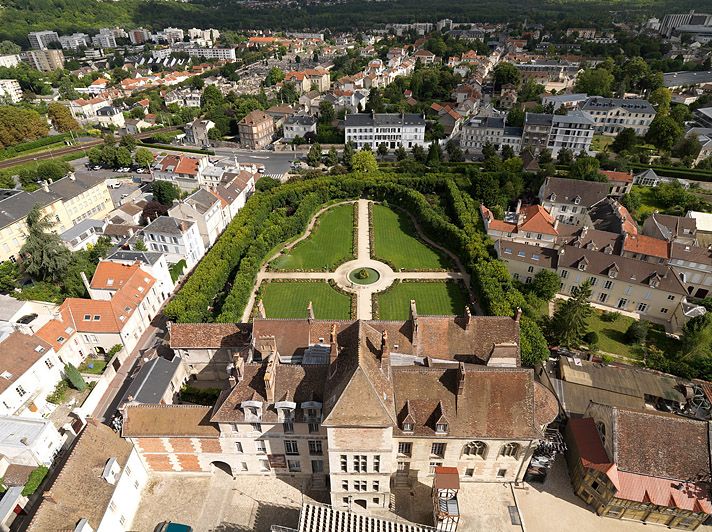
(672,171)
(18,149)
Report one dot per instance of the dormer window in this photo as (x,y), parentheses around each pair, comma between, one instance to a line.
(577,200)
(407,427)
(441,428)
(582,266)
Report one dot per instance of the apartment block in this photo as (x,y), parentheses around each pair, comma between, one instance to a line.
(256,130)
(10,90)
(40,40)
(44,60)
(391,129)
(613,115)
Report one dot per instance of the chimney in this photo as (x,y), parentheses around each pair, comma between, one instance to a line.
(310,312)
(86,282)
(261,309)
(556,224)
(518,314)
(71,176)
(584,230)
(45,186)
(385,353)
(414,319)
(460,379)
(271,377)
(468,318)
(238,367)
(519,206)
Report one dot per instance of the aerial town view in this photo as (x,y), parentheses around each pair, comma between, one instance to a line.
(355,265)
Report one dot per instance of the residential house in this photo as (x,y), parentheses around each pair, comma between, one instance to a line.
(182,170)
(110,116)
(620,183)
(98,488)
(299,126)
(158,382)
(528,225)
(317,79)
(30,371)
(448,117)
(357,401)
(479,131)
(426,57)
(256,130)
(624,464)
(508,97)
(391,129)
(196,132)
(570,199)
(537,130)
(678,229)
(85,233)
(183,98)
(613,115)
(609,215)
(153,262)
(29,441)
(234,192)
(204,208)
(178,239)
(65,202)
(85,111)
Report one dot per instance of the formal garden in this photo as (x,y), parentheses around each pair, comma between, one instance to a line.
(290,299)
(432,298)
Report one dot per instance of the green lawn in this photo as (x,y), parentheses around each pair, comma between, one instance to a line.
(396,242)
(431,298)
(290,300)
(649,203)
(330,244)
(97,366)
(599,142)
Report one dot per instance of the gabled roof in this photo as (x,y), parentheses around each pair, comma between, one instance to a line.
(18,353)
(567,190)
(145,421)
(647,245)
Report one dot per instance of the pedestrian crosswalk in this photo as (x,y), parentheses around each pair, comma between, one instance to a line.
(279,177)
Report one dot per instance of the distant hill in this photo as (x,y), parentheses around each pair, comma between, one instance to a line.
(18,17)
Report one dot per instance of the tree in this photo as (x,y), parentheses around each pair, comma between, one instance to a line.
(696,338)
(327,114)
(597,81)
(565,156)
(153,209)
(382,149)
(687,147)
(507,152)
(348,154)
(375,101)
(401,153)
(435,153)
(515,117)
(9,276)
(546,284)
(140,245)
(454,152)
(637,332)
(74,377)
(505,74)
(585,168)
(533,346)
(45,257)
(9,48)
(20,125)
(661,98)
(663,132)
(61,118)
(544,157)
(128,142)
(332,158)
(165,192)
(364,162)
(123,157)
(488,150)
(632,201)
(143,157)
(419,153)
(211,99)
(274,76)
(314,155)
(625,141)
(570,321)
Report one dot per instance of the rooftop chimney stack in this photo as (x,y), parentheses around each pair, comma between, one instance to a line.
(414,319)
(460,379)
(518,314)
(271,377)
(238,367)
(385,353)
(333,351)
(468,318)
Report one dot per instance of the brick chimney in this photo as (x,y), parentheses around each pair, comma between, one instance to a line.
(518,314)
(271,377)
(310,312)
(460,379)
(385,353)
(468,318)
(414,319)
(49,497)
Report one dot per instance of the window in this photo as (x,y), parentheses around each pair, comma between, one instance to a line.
(360,485)
(294,466)
(360,463)
(20,391)
(345,485)
(663,311)
(288,427)
(49,364)
(510,449)
(601,428)
(238,447)
(257,427)
(376,485)
(475,448)
(313,428)
(112,506)
(608,285)
(315,447)
(377,464)
(261,447)
(433,465)
(264,465)
(602,297)
(344,463)
(243,466)
(317,466)
(291,447)
(405,448)
(671,298)
(622,302)
(122,520)
(441,427)
(437,449)
(501,473)
(564,274)
(530,269)
(592,280)
(642,307)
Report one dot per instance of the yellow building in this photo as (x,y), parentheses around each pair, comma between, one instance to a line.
(65,202)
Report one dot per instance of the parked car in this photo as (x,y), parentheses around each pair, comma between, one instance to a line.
(114,185)
(169,526)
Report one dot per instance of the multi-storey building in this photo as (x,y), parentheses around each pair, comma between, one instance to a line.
(493,130)
(184,171)
(40,40)
(44,60)
(623,463)
(573,131)
(671,22)
(391,129)
(222,54)
(178,239)
(9,61)
(10,90)
(104,39)
(65,202)
(364,404)
(298,126)
(613,115)
(74,41)
(569,200)
(139,36)
(203,207)
(304,80)
(537,127)
(256,130)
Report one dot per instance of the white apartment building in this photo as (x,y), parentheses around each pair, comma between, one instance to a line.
(74,41)
(224,54)
(204,208)
(40,40)
(104,40)
(29,441)
(613,115)
(30,371)
(9,61)
(178,239)
(298,126)
(98,488)
(392,129)
(10,90)
(573,131)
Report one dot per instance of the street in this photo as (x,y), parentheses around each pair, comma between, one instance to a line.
(276,163)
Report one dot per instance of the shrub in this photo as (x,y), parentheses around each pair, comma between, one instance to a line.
(607,359)
(637,332)
(610,317)
(114,350)
(59,394)
(591,337)
(199,396)
(34,480)
(75,378)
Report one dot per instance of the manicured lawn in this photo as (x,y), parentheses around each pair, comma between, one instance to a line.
(95,366)
(649,203)
(599,142)
(431,298)
(330,244)
(396,242)
(611,337)
(290,300)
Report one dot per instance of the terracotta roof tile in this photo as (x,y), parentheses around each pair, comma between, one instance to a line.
(647,245)
(18,353)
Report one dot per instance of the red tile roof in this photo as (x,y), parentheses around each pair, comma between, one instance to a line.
(536,219)
(647,245)
(624,177)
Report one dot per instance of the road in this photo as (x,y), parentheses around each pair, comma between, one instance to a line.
(276,163)
(67,150)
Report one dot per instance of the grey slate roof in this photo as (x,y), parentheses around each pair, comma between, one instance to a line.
(152,380)
(303,120)
(201,200)
(537,119)
(168,225)
(567,190)
(146,257)
(575,117)
(633,105)
(675,79)
(383,119)
(82,227)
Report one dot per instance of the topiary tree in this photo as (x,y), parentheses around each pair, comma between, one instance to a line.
(74,377)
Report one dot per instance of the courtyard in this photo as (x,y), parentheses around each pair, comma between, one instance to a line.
(335,266)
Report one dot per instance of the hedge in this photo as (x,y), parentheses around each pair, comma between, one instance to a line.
(34,480)
(18,149)
(174,148)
